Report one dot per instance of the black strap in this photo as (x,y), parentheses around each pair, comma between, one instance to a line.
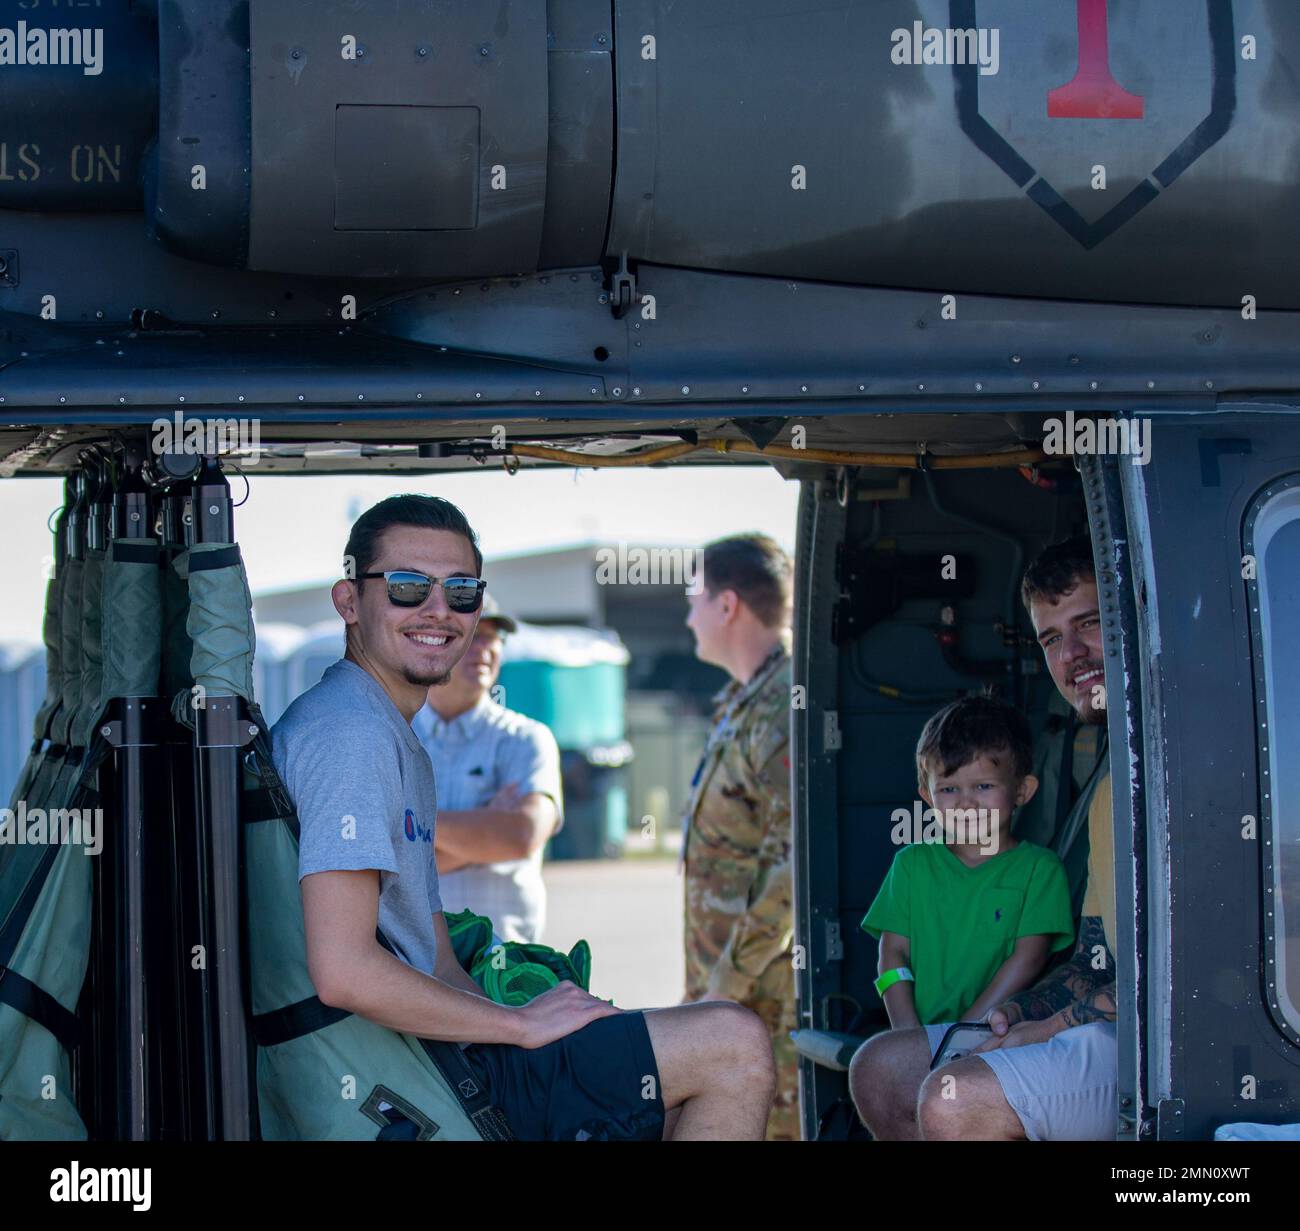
(84,795)
(125,551)
(489,1119)
(261,804)
(223,557)
(22,994)
(294,1021)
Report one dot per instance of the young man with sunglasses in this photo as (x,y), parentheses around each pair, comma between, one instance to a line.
(565,1066)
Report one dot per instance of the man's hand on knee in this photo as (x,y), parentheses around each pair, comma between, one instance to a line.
(560,1011)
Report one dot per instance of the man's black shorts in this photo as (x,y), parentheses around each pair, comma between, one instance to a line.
(600,1083)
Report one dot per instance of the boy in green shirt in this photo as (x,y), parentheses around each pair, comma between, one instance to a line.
(968,915)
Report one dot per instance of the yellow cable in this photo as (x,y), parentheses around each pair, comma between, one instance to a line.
(895,461)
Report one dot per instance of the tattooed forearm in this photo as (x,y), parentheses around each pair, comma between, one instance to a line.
(1043,999)
(1084,987)
(1099,1006)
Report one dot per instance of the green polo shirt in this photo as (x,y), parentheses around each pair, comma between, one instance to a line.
(963,923)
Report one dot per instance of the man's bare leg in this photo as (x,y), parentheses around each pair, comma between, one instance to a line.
(963,1101)
(715,1067)
(884,1077)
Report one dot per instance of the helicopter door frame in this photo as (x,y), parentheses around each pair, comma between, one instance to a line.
(1115,496)
(815,739)
(1200,1044)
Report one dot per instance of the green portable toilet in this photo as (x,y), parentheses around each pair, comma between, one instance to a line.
(574,680)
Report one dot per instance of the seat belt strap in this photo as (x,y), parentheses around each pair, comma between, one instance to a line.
(295,1020)
(489,1119)
(34,1002)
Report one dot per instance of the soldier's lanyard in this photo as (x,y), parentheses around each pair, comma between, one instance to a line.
(722,731)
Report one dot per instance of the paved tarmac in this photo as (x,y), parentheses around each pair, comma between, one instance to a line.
(630,912)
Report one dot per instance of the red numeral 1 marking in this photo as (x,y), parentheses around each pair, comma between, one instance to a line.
(1094,94)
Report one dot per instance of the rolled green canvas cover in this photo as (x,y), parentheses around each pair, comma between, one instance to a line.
(53,656)
(220,620)
(36,1102)
(132,636)
(70,656)
(90,701)
(45,896)
(53,638)
(176,645)
(106,645)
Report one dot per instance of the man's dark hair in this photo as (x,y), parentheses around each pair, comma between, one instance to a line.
(1058,570)
(426,512)
(973,727)
(758,570)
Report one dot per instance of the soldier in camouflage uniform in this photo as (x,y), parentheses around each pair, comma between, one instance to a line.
(739,890)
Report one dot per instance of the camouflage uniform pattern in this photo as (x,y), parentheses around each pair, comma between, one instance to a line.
(739,887)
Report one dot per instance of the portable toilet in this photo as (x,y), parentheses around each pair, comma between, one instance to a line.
(22,689)
(276,645)
(574,680)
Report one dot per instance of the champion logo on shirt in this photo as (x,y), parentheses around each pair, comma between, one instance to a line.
(997,914)
(414,829)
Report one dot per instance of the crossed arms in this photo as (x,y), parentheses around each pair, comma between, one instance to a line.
(510,826)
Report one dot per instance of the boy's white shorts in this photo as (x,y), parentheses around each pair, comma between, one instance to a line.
(1062,1090)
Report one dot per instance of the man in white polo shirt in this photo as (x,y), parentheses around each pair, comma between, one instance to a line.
(499,797)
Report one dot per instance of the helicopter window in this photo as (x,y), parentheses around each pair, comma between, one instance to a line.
(1274,544)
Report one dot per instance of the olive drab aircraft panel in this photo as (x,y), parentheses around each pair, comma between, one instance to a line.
(1218,898)
(643,232)
(880,201)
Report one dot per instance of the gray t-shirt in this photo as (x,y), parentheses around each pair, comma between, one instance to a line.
(363,790)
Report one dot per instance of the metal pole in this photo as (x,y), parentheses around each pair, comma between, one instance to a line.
(92,1057)
(107,938)
(195,1100)
(137,992)
(218,745)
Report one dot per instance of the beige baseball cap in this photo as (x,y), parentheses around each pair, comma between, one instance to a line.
(492,611)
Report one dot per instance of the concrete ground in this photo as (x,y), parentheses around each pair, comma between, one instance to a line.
(630,912)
